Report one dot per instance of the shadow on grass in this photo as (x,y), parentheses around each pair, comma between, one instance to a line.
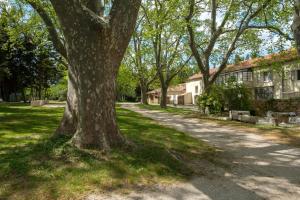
(35,166)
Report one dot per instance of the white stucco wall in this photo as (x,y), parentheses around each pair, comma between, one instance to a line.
(191,87)
(290,84)
(174,99)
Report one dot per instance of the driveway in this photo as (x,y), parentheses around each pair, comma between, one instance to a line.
(259,169)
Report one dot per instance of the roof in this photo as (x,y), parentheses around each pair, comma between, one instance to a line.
(199,75)
(177,89)
(285,56)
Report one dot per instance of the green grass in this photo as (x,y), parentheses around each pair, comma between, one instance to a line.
(280,134)
(33,165)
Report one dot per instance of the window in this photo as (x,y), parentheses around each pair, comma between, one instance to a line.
(196,89)
(240,76)
(258,77)
(233,77)
(247,76)
(264,93)
(267,76)
(295,75)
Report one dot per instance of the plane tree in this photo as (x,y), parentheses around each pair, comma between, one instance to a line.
(92,36)
(166,31)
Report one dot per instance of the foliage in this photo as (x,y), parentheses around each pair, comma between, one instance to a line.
(28,58)
(126,83)
(48,168)
(236,96)
(213,100)
(59,90)
(220,30)
(164,30)
(232,96)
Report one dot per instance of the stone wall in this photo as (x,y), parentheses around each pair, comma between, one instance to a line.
(290,105)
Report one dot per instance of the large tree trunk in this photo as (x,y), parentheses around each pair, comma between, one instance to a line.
(97,127)
(95,49)
(144,95)
(68,123)
(163,96)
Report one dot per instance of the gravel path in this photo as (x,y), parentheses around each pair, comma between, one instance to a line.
(259,169)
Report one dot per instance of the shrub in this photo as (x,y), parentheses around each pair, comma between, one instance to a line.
(212,100)
(232,95)
(237,96)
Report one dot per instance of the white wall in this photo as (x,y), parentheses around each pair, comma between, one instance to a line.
(190,88)
(174,98)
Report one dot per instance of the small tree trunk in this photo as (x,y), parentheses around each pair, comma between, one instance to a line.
(163,97)
(68,123)
(206,84)
(296,25)
(23,96)
(144,95)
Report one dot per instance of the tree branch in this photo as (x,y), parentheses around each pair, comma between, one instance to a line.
(54,36)
(192,44)
(181,66)
(213,16)
(244,25)
(123,15)
(273,29)
(94,17)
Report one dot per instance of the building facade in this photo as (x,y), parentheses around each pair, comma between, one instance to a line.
(275,76)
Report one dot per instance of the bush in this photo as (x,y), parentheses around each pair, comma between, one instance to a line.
(236,96)
(232,95)
(212,100)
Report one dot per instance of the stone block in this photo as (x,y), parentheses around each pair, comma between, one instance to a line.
(37,103)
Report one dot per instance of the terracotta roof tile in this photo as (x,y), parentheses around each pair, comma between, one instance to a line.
(172,89)
(285,56)
(199,75)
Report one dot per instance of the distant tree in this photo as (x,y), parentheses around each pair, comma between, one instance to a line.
(140,58)
(27,61)
(126,83)
(166,31)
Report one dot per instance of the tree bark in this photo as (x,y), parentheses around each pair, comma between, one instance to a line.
(163,96)
(144,95)
(68,123)
(296,25)
(97,127)
(95,49)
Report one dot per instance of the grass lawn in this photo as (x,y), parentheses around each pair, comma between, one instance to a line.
(33,165)
(280,134)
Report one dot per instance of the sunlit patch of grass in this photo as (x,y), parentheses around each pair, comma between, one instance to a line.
(34,165)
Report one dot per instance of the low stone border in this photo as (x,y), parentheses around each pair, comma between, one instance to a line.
(37,103)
